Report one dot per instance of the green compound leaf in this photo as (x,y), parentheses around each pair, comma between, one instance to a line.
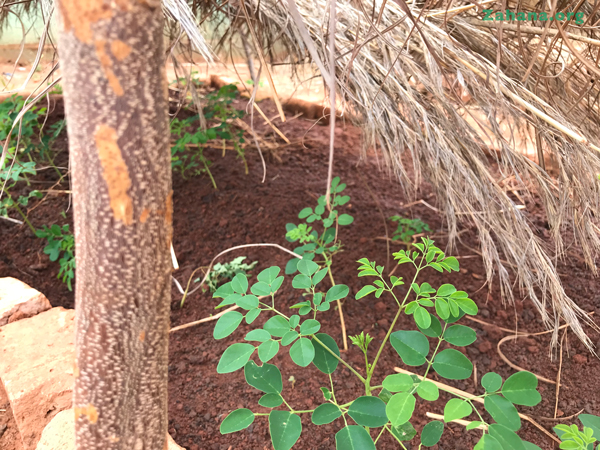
(267,350)
(247,302)
(252,315)
(422,317)
(235,357)
(310,326)
(294,321)
(269,275)
(353,437)
(368,411)
(503,411)
(345,219)
(442,309)
(460,335)
(467,305)
(445,290)
(412,346)
(323,360)
(452,364)
(289,337)
(266,378)
(305,213)
(277,326)
(260,288)
(223,291)
(227,324)
(325,413)
(366,290)
(428,391)
(302,352)
(398,382)
(491,382)
(337,292)
(270,400)
(307,267)
(285,429)
(240,283)
(521,389)
(258,335)
(507,438)
(239,419)
(456,409)
(432,433)
(400,408)
(592,422)
(434,330)
(318,277)
(404,432)
(488,442)
(301,281)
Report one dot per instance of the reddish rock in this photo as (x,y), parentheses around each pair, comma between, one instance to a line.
(36,369)
(580,359)
(19,301)
(501,314)
(533,349)
(485,346)
(380,306)
(383,323)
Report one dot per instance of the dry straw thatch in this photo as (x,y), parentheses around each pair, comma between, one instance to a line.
(402,71)
(430,80)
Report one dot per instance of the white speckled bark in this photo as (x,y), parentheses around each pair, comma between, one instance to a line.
(112,58)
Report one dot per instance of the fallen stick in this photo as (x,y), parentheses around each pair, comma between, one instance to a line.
(464,423)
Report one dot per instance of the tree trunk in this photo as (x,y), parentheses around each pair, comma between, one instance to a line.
(112,59)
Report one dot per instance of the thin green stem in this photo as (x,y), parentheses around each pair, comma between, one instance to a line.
(287,404)
(379,435)
(332,390)
(25,219)
(395,437)
(387,336)
(440,340)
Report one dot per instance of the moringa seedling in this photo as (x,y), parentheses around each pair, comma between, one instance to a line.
(389,400)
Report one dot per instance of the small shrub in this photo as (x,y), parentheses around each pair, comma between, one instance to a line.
(574,439)
(407,228)
(388,406)
(61,244)
(227,271)
(187,155)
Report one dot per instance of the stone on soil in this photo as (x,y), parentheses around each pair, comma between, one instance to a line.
(36,369)
(19,301)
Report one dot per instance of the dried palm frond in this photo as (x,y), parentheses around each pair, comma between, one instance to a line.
(404,69)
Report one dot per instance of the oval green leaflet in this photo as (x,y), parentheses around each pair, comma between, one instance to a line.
(400,408)
(432,433)
(302,352)
(285,429)
(353,437)
(325,413)
(521,389)
(235,357)
(412,346)
(265,378)
(227,324)
(323,359)
(239,419)
(368,411)
(452,364)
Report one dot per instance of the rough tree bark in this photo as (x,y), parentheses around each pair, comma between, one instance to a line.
(112,59)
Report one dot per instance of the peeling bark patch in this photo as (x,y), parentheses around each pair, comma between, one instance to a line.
(144,215)
(80,15)
(120,49)
(88,411)
(142,336)
(106,64)
(115,173)
(75,369)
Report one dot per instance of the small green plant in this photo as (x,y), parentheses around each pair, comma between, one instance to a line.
(61,244)
(187,155)
(9,176)
(227,271)
(407,228)
(574,439)
(389,399)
